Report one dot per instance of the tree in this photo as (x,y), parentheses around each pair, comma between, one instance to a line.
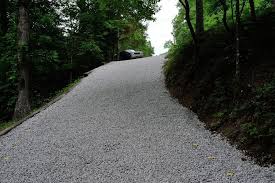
(3,16)
(237,34)
(135,37)
(110,24)
(224,18)
(199,17)
(232,10)
(252,10)
(22,107)
(168,44)
(186,6)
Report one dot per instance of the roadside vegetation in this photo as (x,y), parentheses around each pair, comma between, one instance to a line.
(6,125)
(221,65)
(46,45)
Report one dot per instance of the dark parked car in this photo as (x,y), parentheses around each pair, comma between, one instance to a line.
(130,54)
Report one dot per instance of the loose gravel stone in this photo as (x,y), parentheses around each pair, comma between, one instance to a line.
(120,125)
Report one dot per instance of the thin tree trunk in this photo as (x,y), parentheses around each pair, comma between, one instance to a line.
(117,51)
(22,107)
(199,17)
(188,20)
(199,27)
(186,6)
(113,51)
(232,11)
(71,71)
(3,16)
(252,10)
(238,22)
(243,6)
(224,19)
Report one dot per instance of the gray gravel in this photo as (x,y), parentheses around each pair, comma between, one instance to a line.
(120,125)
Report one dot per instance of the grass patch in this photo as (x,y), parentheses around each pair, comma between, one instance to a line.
(5,125)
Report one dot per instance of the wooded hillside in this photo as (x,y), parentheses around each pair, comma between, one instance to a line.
(221,65)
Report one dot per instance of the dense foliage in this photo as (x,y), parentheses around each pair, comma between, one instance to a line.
(67,38)
(213,18)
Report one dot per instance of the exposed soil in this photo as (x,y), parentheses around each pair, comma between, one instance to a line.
(245,116)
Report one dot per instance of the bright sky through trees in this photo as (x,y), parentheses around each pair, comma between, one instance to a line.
(160,31)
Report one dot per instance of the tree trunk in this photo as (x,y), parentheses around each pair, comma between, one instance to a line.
(3,17)
(273,5)
(22,107)
(71,70)
(117,50)
(252,10)
(238,22)
(199,17)
(186,6)
(232,10)
(243,6)
(224,18)
(188,20)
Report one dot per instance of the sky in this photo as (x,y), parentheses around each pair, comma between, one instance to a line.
(160,31)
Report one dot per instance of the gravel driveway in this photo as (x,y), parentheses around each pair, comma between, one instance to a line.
(120,125)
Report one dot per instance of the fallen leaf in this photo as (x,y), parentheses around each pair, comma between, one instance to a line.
(195,145)
(6,158)
(230,173)
(211,157)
